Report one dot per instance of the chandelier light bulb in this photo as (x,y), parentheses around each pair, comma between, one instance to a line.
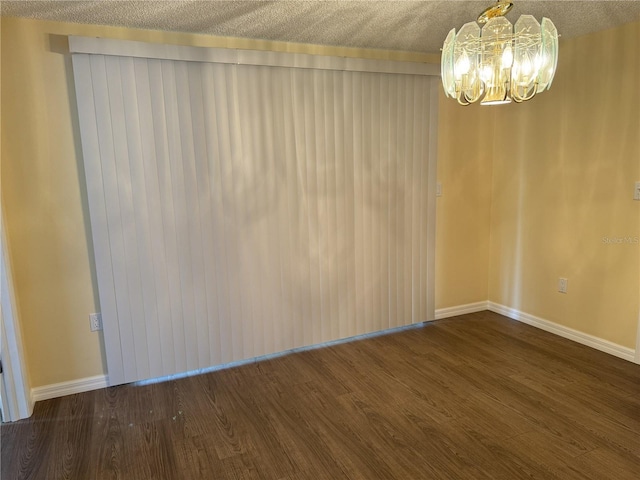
(539,61)
(507,58)
(487,74)
(462,66)
(501,62)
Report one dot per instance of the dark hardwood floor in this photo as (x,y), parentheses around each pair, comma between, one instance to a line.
(473,397)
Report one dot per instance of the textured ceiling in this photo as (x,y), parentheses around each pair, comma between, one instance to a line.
(395,25)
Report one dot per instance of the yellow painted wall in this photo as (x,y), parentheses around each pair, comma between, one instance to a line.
(533,204)
(564,169)
(465,151)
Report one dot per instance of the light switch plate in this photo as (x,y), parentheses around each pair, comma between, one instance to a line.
(636,191)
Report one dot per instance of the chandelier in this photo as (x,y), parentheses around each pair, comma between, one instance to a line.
(500,63)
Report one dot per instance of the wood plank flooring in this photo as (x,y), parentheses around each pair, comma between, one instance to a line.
(473,397)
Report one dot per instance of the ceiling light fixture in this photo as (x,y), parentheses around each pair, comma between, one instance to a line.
(502,63)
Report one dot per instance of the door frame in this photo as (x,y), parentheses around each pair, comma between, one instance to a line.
(637,352)
(16,392)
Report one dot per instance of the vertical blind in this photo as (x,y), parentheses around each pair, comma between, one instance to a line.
(242,210)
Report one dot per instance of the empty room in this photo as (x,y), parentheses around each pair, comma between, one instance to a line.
(320,239)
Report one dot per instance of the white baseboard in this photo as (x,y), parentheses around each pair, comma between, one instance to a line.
(100,381)
(460,310)
(67,388)
(566,332)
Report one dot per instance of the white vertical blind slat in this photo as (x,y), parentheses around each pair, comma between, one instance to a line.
(163,344)
(251,209)
(216,268)
(243,184)
(311,240)
(330,264)
(242,344)
(424,175)
(408,205)
(376,207)
(225,104)
(144,271)
(262,210)
(319,161)
(271,81)
(430,214)
(127,221)
(358,203)
(217,113)
(259,209)
(113,218)
(337,229)
(200,193)
(362,210)
(165,251)
(297,270)
(97,204)
(394,158)
(419,132)
(383,200)
(173,189)
(189,234)
(344,183)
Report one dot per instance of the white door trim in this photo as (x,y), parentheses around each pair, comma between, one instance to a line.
(16,402)
(636,358)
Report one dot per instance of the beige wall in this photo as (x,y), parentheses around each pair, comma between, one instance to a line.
(465,151)
(533,204)
(563,175)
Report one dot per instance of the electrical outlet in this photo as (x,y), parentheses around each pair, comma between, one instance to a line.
(438,189)
(563,283)
(95,320)
(636,191)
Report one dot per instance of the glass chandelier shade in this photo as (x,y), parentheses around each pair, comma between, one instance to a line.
(499,63)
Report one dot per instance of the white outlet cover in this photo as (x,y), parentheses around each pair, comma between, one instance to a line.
(563,283)
(636,191)
(95,321)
